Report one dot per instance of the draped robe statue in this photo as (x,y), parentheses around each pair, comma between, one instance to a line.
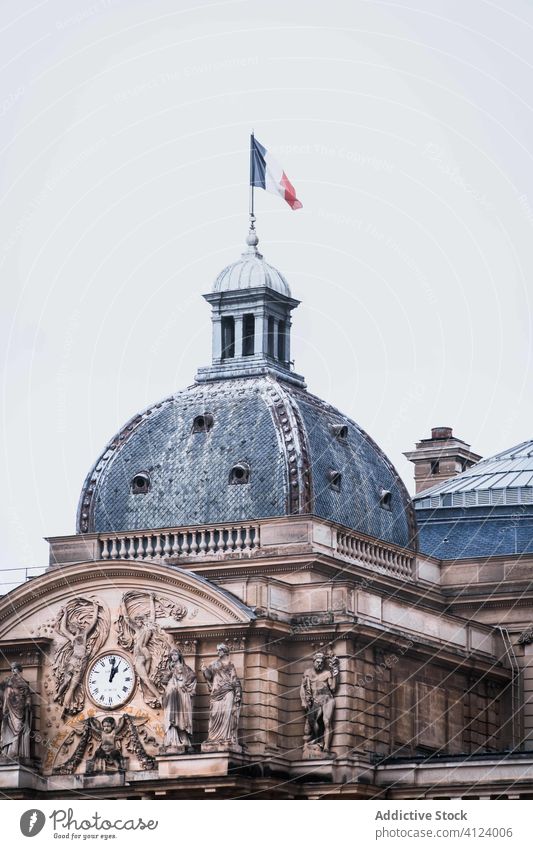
(16,716)
(225,702)
(180,687)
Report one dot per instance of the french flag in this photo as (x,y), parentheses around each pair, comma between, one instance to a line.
(266,173)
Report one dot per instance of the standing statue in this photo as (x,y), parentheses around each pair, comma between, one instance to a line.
(16,723)
(225,702)
(84,623)
(180,687)
(139,633)
(317,694)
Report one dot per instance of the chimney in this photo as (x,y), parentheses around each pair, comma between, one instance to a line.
(440,458)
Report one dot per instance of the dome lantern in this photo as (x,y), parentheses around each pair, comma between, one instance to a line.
(251,306)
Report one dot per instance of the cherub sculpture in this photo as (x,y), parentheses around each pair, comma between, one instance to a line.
(108,735)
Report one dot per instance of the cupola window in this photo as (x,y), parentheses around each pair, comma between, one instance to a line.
(248,335)
(282,341)
(271,334)
(385,499)
(140,483)
(240,474)
(334,478)
(203,423)
(228,337)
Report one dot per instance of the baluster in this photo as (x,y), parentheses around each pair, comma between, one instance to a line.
(203,544)
(247,540)
(194,543)
(166,547)
(122,552)
(105,551)
(212,544)
(158,549)
(114,549)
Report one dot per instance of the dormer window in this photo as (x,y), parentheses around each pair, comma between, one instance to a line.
(340,432)
(203,423)
(334,478)
(240,474)
(140,483)
(385,499)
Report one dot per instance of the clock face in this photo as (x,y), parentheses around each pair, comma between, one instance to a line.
(110,680)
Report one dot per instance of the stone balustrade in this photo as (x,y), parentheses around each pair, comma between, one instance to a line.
(211,542)
(379,556)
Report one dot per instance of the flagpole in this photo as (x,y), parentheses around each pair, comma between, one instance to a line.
(252,180)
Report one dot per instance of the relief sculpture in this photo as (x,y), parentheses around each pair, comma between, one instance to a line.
(139,633)
(84,623)
(100,743)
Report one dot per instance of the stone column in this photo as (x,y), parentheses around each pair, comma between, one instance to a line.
(238,336)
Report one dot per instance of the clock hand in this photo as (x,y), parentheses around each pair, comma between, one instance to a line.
(114,672)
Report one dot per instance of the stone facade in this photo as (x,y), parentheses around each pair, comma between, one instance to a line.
(426,674)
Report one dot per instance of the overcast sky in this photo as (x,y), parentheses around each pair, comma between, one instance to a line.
(406,129)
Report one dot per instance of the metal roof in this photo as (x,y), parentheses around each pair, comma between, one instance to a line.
(505,478)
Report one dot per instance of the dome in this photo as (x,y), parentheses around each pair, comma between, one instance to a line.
(486,510)
(242,449)
(251,272)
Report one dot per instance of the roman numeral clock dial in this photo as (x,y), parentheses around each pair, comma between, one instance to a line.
(110,681)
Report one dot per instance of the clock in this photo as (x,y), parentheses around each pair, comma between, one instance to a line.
(110,680)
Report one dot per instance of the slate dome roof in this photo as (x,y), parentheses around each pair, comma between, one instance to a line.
(251,272)
(301,455)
